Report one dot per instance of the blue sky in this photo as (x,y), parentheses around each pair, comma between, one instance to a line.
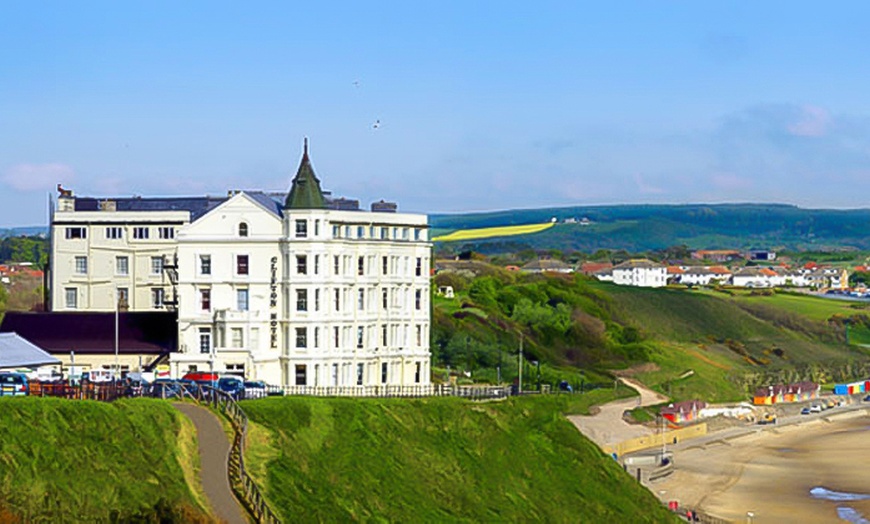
(482,105)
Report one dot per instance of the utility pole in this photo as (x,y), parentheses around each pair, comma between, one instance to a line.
(664,445)
(520,362)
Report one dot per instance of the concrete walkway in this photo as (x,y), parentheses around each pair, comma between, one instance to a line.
(214,449)
(607,426)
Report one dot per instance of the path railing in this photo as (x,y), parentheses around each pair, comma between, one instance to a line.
(246,490)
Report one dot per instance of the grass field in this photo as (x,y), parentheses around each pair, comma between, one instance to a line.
(708,318)
(83,461)
(810,306)
(491,232)
(438,460)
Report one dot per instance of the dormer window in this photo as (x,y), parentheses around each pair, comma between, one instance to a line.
(243,229)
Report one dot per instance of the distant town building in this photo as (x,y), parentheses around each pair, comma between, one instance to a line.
(716,255)
(590,268)
(642,273)
(761,254)
(547,265)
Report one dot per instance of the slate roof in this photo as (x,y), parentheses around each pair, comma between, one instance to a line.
(270,201)
(149,332)
(642,263)
(17,352)
(196,206)
(305,192)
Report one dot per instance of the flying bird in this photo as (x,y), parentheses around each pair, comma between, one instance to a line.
(376,125)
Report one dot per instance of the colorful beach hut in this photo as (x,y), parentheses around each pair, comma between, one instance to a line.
(685,411)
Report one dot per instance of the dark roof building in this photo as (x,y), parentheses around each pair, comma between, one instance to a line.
(148,333)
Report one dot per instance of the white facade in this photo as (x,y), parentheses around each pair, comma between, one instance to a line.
(101,258)
(702,276)
(224,286)
(641,273)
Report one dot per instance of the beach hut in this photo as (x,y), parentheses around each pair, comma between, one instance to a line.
(680,412)
(801,391)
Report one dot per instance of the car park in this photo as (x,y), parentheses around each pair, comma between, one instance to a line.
(14,384)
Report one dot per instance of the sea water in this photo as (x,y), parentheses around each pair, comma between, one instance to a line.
(844,512)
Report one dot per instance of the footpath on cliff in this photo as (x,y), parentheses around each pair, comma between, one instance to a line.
(214,450)
(607,426)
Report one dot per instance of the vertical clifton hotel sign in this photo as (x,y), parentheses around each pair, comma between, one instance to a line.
(273,304)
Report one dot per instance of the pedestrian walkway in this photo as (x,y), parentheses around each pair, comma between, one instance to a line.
(607,427)
(214,449)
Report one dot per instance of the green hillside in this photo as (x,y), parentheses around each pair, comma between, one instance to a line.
(83,461)
(647,227)
(437,460)
(714,345)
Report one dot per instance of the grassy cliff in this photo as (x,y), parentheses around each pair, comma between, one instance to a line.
(83,461)
(437,460)
(714,345)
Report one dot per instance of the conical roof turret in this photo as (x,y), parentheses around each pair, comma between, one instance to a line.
(305,192)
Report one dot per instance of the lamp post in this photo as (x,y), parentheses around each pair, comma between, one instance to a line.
(468,354)
(749,516)
(117,314)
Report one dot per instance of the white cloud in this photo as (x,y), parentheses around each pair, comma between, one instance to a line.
(813,121)
(645,188)
(38,177)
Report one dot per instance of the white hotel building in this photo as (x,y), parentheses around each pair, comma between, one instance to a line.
(305,291)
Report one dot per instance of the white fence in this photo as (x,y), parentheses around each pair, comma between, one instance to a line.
(429,390)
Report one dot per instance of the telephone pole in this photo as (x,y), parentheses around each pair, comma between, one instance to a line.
(520,362)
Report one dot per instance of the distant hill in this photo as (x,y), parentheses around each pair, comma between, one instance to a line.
(646,227)
(30,231)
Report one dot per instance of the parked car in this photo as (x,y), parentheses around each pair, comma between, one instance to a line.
(202,378)
(815,408)
(165,388)
(805,411)
(234,386)
(867,398)
(14,384)
(255,389)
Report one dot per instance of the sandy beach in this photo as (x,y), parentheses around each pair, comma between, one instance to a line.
(770,473)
